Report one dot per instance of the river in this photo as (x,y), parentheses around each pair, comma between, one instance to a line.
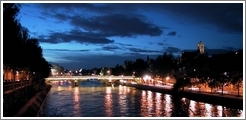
(93,99)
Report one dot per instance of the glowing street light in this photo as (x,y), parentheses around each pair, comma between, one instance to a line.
(146,78)
(167,78)
(133,73)
(108,72)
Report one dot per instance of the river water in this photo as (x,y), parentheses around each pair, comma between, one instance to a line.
(93,99)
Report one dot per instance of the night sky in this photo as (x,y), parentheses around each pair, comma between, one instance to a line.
(88,35)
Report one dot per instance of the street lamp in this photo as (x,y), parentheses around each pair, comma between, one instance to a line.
(108,72)
(167,78)
(133,73)
(146,78)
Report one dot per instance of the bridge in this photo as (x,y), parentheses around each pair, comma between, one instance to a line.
(106,79)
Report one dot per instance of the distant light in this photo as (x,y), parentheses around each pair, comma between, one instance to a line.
(133,83)
(146,77)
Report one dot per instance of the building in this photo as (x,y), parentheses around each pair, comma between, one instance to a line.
(191,55)
(200,46)
(14,75)
(56,70)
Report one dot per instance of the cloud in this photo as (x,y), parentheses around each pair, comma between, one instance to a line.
(74,35)
(117,25)
(227,17)
(143,50)
(164,44)
(84,58)
(122,44)
(173,33)
(87,61)
(88,9)
(67,50)
(110,48)
(172,50)
(107,19)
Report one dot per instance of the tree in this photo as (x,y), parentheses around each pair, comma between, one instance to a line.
(140,66)
(164,65)
(20,52)
(118,70)
(11,32)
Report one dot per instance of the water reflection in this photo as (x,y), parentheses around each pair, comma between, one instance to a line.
(158,102)
(76,106)
(168,105)
(144,104)
(108,102)
(200,109)
(95,100)
(155,104)
(122,100)
(150,100)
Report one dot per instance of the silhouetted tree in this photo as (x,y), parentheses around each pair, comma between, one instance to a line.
(164,65)
(118,70)
(128,65)
(140,66)
(20,51)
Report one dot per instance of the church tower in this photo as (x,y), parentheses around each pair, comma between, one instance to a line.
(200,47)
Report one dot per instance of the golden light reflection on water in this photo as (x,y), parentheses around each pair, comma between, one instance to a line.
(122,90)
(150,103)
(122,99)
(200,109)
(144,103)
(168,105)
(76,106)
(208,109)
(130,101)
(108,101)
(158,104)
(155,104)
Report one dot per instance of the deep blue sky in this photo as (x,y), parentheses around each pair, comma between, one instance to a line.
(87,35)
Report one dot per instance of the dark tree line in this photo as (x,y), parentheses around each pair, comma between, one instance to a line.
(217,70)
(20,51)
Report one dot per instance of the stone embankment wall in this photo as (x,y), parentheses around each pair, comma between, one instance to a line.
(32,107)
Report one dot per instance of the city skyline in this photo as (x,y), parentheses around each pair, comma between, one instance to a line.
(92,35)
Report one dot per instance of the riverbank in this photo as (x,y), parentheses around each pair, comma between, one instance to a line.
(231,101)
(32,107)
